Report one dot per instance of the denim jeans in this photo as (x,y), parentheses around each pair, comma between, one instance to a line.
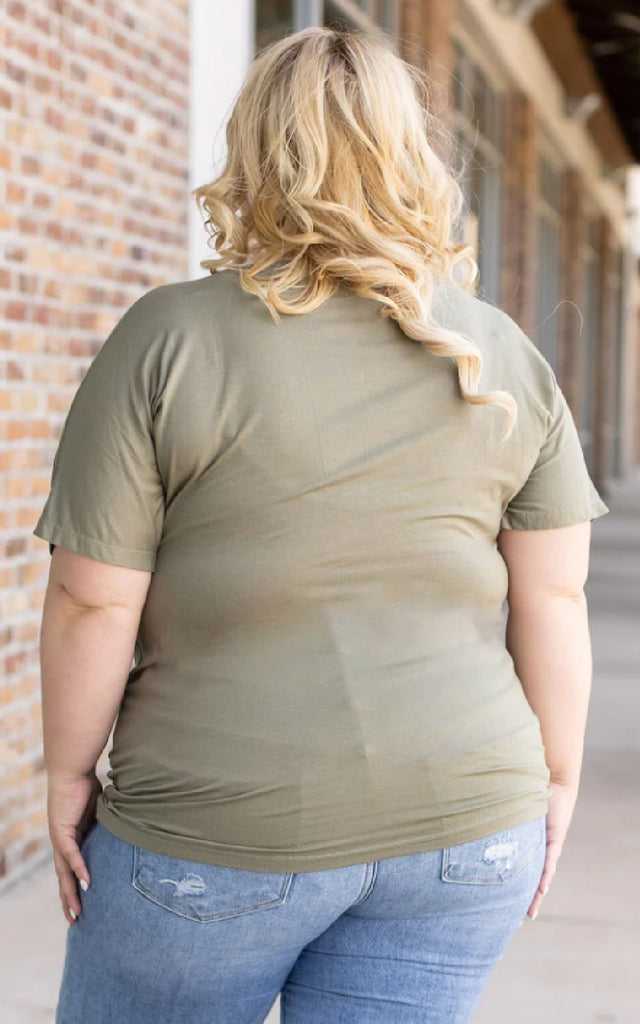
(405,940)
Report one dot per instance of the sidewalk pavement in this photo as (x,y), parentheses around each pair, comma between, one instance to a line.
(579,962)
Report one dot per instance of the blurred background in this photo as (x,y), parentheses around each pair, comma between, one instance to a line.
(112,110)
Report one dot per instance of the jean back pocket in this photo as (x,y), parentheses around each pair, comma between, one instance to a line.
(494,859)
(206,892)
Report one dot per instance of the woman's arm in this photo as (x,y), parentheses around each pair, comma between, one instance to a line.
(549,641)
(548,636)
(90,621)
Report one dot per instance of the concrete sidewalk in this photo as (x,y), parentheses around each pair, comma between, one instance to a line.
(579,962)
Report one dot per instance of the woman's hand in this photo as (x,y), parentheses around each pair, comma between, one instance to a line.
(71,805)
(559,814)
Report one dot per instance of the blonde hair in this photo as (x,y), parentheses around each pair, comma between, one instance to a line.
(330,178)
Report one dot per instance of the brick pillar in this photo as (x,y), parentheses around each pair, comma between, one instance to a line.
(426,40)
(437,21)
(520,220)
(603,427)
(571,335)
(411,44)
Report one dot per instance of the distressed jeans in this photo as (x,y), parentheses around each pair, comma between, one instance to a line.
(405,940)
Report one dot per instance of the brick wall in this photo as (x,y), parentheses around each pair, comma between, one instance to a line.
(94,186)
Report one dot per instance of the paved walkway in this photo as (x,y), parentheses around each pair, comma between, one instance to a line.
(578,963)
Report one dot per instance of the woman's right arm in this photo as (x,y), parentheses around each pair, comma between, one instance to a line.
(548,638)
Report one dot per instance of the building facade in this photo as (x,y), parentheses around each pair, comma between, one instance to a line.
(94,148)
(112,114)
(547,161)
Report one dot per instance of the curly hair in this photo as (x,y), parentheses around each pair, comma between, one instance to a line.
(330,178)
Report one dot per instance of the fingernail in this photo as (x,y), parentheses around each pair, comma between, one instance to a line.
(84,885)
(533,916)
(545,890)
(73,913)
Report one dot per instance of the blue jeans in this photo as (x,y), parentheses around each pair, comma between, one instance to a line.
(405,940)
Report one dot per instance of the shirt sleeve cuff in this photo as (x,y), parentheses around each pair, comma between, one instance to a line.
(549,519)
(68,537)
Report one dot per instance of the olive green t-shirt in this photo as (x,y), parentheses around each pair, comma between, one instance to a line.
(320,674)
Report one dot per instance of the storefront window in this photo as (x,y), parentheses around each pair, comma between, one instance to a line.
(619,403)
(274,18)
(338,16)
(548,259)
(363,13)
(589,339)
(479,128)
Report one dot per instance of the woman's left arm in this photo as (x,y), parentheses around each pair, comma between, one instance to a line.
(90,621)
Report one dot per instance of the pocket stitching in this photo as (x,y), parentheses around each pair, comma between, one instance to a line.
(254,908)
(446,861)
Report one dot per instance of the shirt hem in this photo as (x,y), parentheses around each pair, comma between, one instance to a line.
(207,852)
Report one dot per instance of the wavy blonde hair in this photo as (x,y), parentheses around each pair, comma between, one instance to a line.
(330,177)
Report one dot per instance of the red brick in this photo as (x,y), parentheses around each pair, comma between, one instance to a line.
(81,238)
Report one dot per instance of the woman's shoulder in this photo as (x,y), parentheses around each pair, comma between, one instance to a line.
(167,318)
(175,300)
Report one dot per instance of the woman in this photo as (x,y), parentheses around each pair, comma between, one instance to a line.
(333,777)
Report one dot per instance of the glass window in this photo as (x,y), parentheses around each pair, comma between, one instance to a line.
(335,15)
(364,13)
(380,12)
(274,18)
(480,92)
(589,339)
(618,403)
(479,128)
(549,259)
(458,80)
(490,229)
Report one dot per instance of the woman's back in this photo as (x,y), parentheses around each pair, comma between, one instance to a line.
(321,675)
(306,526)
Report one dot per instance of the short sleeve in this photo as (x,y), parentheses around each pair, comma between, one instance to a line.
(106,497)
(558,491)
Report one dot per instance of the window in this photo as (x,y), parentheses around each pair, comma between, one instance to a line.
(361,13)
(274,18)
(589,339)
(619,355)
(479,130)
(549,262)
